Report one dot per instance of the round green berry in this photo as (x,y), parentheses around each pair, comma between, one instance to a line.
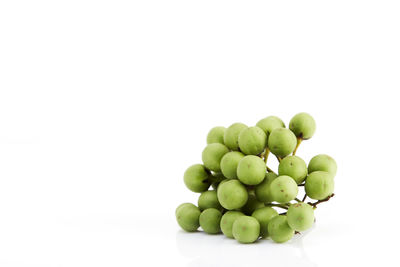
(231,136)
(300,216)
(294,167)
(282,142)
(263,216)
(229,163)
(270,123)
(227,221)
(251,170)
(324,163)
(279,229)
(252,140)
(302,125)
(187,216)
(251,205)
(196,178)
(216,135)
(319,185)
(263,190)
(283,189)
(246,229)
(232,194)
(209,199)
(212,156)
(210,220)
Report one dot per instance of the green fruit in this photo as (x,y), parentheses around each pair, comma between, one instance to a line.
(210,220)
(294,167)
(319,185)
(270,123)
(251,205)
(302,125)
(263,216)
(212,156)
(231,136)
(300,216)
(216,135)
(229,163)
(196,178)
(283,189)
(282,142)
(187,216)
(324,163)
(279,229)
(208,200)
(263,190)
(227,221)
(252,140)
(251,170)
(232,194)
(246,229)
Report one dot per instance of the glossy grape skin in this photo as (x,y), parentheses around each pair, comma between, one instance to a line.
(231,136)
(279,229)
(303,125)
(263,216)
(187,216)
(232,194)
(212,156)
(209,199)
(263,190)
(229,163)
(252,140)
(210,220)
(270,123)
(294,167)
(282,142)
(196,178)
(227,221)
(322,162)
(319,185)
(251,170)
(300,216)
(246,229)
(216,135)
(251,205)
(283,189)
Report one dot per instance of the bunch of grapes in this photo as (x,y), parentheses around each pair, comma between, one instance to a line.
(246,194)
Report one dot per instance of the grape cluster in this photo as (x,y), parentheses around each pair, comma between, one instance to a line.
(246,194)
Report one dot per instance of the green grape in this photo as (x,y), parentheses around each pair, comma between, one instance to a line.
(294,167)
(246,229)
(208,200)
(216,135)
(283,189)
(251,205)
(270,123)
(324,163)
(251,170)
(319,185)
(210,220)
(187,216)
(279,229)
(252,140)
(263,190)
(196,178)
(229,163)
(302,125)
(263,216)
(212,156)
(282,142)
(227,221)
(300,216)
(231,136)
(232,194)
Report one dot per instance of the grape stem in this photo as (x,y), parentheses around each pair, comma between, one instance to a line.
(304,198)
(320,201)
(279,206)
(270,170)
(303,184)
(299,139)
(266,154)
(298,200)
(278,158)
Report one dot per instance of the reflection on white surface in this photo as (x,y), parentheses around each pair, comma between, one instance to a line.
(217,250)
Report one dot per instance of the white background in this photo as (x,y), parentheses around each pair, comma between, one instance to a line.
(104,104)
